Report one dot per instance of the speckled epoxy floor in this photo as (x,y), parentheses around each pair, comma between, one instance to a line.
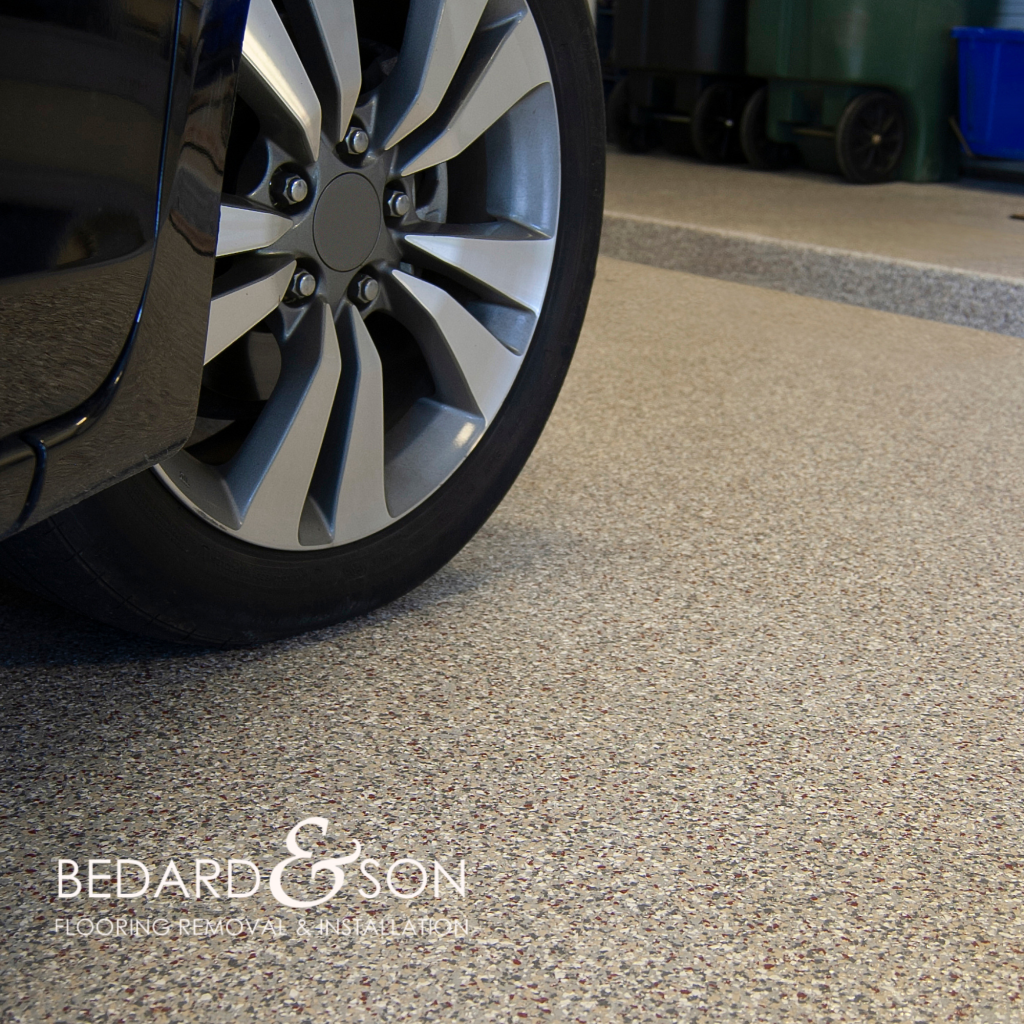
(963,225)
(723,710)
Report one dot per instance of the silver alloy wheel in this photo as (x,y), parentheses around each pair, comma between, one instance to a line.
(322,278)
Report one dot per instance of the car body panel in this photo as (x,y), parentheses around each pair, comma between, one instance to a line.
(83,100)
(143,378)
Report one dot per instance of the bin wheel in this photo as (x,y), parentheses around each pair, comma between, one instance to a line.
(715,128)
(628,136)
(871,138)
(762,153)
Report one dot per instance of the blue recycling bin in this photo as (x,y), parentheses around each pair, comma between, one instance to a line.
(992,91)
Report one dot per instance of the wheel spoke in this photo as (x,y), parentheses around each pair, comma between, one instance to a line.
(348,489)
(244,227)
(327,36)
(235,310)
(465,359)
(515,269)
(275,82)
(424,449)
(436,36)
(270,475)
(513,68)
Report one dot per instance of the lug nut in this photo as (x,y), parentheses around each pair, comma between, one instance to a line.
(365,289)
(357,142)
(303,285)
(294,189)
(397,203)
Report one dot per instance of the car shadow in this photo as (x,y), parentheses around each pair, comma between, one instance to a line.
(34,631)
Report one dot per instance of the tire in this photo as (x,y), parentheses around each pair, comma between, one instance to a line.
(159,556)
(714,129)
(622,130)
(762,152)
(871,138)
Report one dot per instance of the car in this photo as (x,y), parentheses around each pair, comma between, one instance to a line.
(288,290)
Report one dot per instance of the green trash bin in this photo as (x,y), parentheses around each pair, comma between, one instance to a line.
(863,86)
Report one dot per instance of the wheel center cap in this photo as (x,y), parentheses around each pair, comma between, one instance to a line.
(347,220)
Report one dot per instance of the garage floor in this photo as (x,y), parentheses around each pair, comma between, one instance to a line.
(723,710)
(964,225)
(948,252)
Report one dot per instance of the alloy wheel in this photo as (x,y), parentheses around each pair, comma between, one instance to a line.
(385,248)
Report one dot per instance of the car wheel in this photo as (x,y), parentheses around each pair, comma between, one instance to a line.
(871,137)
(400,283)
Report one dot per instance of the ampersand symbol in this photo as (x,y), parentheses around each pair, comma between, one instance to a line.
(332,864)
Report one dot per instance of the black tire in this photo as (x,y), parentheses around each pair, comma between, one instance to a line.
(623,132)
(135,557)
(714,129)
(871,138)
(762,152)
